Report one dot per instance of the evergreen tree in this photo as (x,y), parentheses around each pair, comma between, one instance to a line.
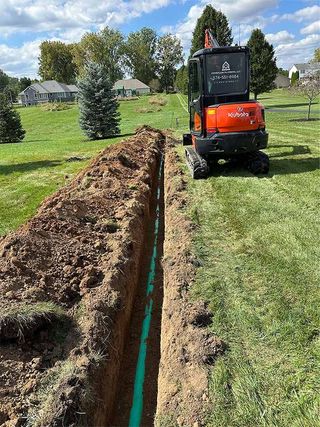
(217,22)
(294,78)
(10,123)
(99,116)
(263,63)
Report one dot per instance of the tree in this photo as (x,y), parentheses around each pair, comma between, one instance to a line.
(99,116)
(217,22)
(283,72)
(24,83)
(316,55)
(309,88)
(263,63)
(105,48)
(154,85)
(182,79)
(294,78)
(10,124)
(4,80)
(140,51)
(56,62)
(169,55)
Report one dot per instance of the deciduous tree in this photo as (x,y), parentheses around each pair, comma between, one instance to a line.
(140,52)
(10,124)
(169,55)
(308,87)
(24,83)
(56,62)
(4,80)
(263,63)
(105,48)
(217,22)
(99,116)
(182,79)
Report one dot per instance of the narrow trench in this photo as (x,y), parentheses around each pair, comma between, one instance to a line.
(136,397)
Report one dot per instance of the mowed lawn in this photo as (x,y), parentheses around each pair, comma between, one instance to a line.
(257,240)
(258,244)
(35,168)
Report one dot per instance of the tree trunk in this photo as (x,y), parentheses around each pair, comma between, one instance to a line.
(255,96)
(309,109)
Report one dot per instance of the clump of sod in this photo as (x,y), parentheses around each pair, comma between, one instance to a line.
(20,320)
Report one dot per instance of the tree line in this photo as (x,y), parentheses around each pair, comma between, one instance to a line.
(11,86)
(143,55)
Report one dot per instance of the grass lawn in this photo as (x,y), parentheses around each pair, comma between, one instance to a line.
(38,166)
(257,241)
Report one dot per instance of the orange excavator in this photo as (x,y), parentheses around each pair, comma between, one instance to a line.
(224,123)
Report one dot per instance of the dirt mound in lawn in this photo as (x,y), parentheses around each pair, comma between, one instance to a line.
(63,278)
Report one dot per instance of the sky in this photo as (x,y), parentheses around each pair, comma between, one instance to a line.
(292,26)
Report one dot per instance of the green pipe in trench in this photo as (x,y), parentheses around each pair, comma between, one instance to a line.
(137,401)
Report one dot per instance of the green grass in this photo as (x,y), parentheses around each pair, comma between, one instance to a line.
(38,166)
(257,240)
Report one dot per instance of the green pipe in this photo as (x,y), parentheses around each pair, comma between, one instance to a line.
(137,401)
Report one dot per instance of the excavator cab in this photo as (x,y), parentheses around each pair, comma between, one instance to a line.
(224,123)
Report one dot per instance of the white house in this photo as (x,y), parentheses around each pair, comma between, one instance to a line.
(305,70)
(130,87)
(47,91)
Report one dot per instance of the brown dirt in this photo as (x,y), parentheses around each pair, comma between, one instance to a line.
(81,252)
(124,394)
(186,346)
(85,253)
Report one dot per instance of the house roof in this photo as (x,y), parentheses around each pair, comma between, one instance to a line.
(282,78)
(130,84)
(307,66)
(51,86)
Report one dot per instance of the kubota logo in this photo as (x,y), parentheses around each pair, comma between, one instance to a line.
(239,113)
(225,66)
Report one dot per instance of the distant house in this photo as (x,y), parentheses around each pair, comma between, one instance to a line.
(130,87)
(305,70)
(47,91)
(281,81)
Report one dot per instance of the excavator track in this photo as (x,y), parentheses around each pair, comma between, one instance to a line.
(258,163)
(197,165)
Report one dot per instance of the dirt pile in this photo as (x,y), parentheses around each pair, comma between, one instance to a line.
(187,349)
(67,281)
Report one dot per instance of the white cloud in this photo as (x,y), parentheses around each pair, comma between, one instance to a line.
(21,61)
(297,52)
(311,28)
(306,14)
(65,20)
(61,15)
(243,12)
(280,37)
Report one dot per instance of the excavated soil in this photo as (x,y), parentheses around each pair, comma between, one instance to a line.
(82,253)
(72,299)
(187,348)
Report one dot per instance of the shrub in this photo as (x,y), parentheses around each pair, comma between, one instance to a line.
(11,130)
